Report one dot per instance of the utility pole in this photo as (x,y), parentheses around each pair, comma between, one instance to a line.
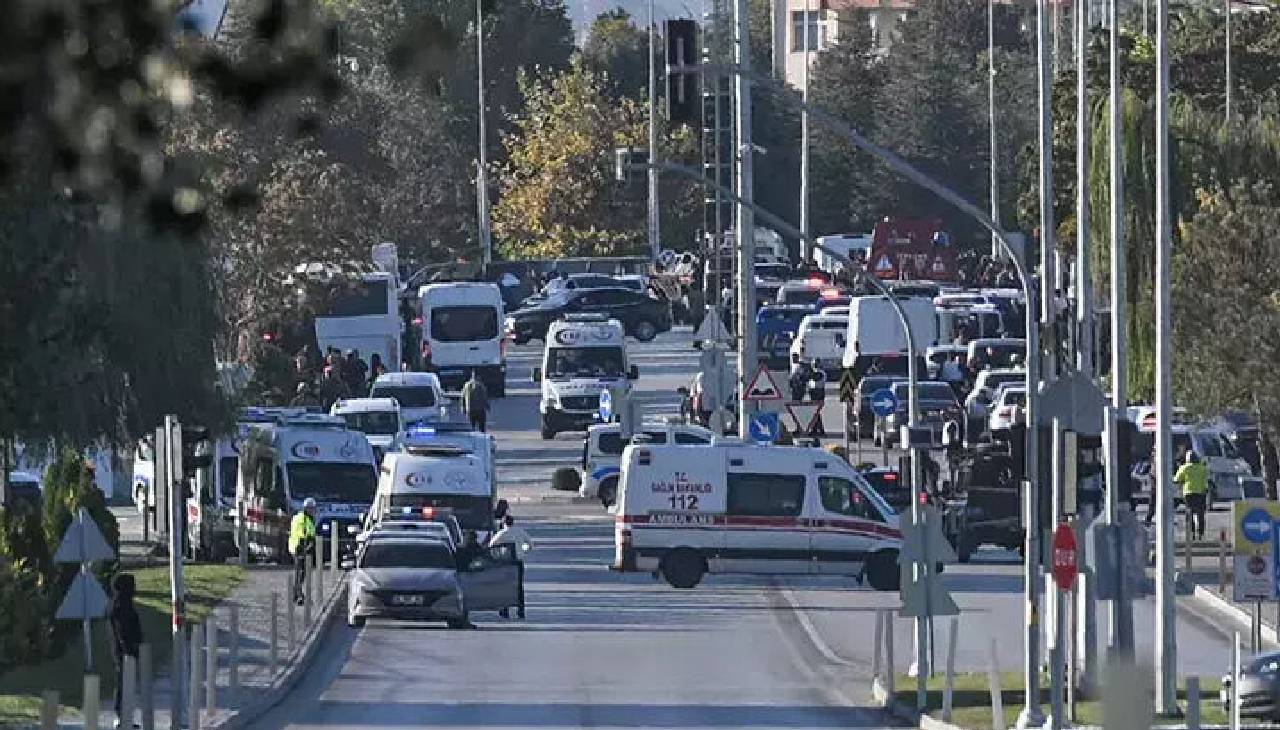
(1084,282)
(655,240)
(991,110)
(805,253)
(1166,662)
(1032,715)
(482,164)
(1121,612)
(745,233)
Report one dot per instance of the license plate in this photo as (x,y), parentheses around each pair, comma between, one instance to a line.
(407,600)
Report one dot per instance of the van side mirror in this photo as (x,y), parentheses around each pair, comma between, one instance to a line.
(682,391)
(536,376)
(633,373)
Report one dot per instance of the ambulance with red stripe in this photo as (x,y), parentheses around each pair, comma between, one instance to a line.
(301,455)
(730,507)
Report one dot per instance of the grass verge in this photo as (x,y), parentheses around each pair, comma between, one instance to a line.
(21,687)
(971,700)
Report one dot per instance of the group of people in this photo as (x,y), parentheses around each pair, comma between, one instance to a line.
(337,376)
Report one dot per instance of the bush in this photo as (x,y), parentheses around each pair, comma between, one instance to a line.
(25,616)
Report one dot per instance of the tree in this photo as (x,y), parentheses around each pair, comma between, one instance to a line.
(619,51)
(558,196)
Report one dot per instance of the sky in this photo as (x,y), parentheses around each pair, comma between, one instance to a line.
(584,11)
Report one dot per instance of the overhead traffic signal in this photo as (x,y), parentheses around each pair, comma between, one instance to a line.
(683,97)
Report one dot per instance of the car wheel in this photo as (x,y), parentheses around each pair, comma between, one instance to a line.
(609,491)
(548,432)
(882,571)
(645,331)
(565,479)
(683,568)
(355,622)
(459,623)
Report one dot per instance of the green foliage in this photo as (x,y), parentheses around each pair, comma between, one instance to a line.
(68,486)
(24,614)
(619,51)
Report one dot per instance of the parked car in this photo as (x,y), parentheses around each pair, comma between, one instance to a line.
(642,316)
(1259,687)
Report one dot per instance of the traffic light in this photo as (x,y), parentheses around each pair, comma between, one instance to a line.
(1126,430)
(683,96)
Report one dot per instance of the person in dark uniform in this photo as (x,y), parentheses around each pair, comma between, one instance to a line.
(126,635)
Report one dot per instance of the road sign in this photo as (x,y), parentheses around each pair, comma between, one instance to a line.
(763,387)
(606,406)
(883,402)
(83,543)
(666,257)
(923,548)
(1256,547)
(803,416)
(84,600)
(765,428)
(1065,555)
(711,330)
(848,387)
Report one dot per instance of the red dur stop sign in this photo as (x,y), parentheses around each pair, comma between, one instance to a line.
(1065,567)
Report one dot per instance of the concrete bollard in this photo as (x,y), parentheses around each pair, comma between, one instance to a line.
(193,679)
(950,680)
(1193,703)
(211,664)
(90,707)
(273,653)
(49,710)
(876,667)
(291,626)
(233,654)
(128,680)
(319,566)
(1222,562)
(307,594)
(242,535)
(993,682)
(891,667)
(146,687)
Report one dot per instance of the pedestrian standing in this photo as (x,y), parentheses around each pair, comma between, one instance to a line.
(798,378)
(126,635)
(302,535)
(1193,476)
(520,541)
(475,401)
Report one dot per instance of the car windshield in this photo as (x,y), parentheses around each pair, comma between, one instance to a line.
(1208,445)
(599,362)
(928,392)
(408,396)
(406,554)
(332,482)
(228,467)
(374,423)
(464,324)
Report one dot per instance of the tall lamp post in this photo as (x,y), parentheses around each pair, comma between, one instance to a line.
(655,239)
(482,160)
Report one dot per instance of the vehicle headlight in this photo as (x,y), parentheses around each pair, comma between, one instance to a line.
(509,324)
(353,529)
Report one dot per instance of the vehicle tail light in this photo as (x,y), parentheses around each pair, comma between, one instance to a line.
(1005,412)
(924,498)
(890,477)
(429,513)
(502,347)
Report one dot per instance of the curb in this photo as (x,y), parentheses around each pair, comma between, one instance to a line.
(907,713)
(289,678)
(1237,615)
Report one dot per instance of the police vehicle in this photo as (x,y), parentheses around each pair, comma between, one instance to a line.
(296,456)
(602,453)
(585,354)
(685,511)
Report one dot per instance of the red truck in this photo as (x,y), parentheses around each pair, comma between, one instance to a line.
(912,249)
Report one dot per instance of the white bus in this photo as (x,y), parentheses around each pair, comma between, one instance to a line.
(363,315)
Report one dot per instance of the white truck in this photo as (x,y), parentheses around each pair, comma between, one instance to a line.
(875,332)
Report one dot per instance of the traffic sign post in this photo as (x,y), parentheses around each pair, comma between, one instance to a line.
(1257,541)
(83,543)
(763,387)
(803,416)
(883,402)
(765,428)
(1065,567)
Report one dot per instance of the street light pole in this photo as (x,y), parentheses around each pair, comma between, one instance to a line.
(805,254)
(655,240)
(1227,8)
(745,223)
(1166,662)
(482,164)
(1084,282)
(991,110)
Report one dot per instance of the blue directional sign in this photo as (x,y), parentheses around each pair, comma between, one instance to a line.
(765,428)
(883,402)
(606,406)
(1256,526)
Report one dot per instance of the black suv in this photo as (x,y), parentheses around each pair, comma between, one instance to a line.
(642,316)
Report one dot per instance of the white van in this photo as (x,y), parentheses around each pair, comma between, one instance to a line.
(875,332)
(602,453)
(211,508)
(685,511)
(377,418)
(296,457)
(420,396)
(462,332)
(821,340)
(447,478)
(585,354)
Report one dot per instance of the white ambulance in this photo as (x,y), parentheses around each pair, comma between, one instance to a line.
(602,453)
(685,511)
(448,478)
(585,354)
(378,419)
(296,457)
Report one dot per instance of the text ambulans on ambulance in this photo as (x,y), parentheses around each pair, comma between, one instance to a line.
(301,456)
(585,354)
(685,511)
(446,477)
